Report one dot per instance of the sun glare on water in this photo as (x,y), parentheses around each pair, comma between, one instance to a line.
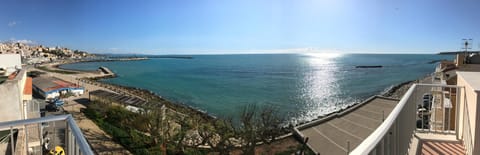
(321,58)
(320,86)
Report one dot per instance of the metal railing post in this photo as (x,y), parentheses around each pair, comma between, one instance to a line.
(54,134)
(348,147)
(449,110)
(25,138)
(12,145)
(67,138)
(457,111)
(397,134)
(40,133)
(71,144)
(386,143)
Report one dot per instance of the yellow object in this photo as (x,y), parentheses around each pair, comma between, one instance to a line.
(57,151)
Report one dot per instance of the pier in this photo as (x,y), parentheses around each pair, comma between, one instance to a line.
(341,132)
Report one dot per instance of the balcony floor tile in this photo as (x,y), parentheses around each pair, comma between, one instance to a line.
(437,144)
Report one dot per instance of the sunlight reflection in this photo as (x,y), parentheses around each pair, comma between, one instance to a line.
(322,58)
(320,89)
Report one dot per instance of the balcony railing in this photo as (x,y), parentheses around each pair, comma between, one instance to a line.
(429,108)
(74,141)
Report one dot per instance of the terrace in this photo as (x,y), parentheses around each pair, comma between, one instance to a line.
(445,129)
(18,139)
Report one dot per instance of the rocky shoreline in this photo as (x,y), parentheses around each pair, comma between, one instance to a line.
(399,90)
(149,96)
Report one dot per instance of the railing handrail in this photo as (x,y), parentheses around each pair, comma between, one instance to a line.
(81,141)
(79,138)
(438,85)
(15,123)
(373,139)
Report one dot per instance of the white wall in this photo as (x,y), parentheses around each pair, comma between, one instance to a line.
(469,98)
(52,95)
(56,94)
(133,109)
(10,61)
(77,91)
(11,98)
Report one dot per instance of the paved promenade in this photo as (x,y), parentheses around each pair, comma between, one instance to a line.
(342,132)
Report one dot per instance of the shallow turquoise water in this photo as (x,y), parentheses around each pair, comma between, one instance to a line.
(301,86)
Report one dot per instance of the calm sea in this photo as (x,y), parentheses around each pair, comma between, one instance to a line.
(301,86)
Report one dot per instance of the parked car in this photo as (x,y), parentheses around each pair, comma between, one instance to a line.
(51,107)
(57,101)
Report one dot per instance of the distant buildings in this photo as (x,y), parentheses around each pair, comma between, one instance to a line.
(32,54)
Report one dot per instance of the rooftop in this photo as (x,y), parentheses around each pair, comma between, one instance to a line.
(28,86)
(47,84)
(471,78)
(124,99)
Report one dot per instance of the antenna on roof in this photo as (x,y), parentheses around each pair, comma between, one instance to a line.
(466,44)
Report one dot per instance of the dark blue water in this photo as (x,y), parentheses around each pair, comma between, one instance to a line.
(301,86)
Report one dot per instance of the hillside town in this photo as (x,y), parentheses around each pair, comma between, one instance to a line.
(33,54)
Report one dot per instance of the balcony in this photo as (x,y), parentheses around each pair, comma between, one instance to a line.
(31,136)
(429,119)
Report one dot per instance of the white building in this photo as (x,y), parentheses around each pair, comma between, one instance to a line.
(51,87)
(9,63)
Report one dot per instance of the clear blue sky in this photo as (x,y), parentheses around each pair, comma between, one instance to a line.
(224,26)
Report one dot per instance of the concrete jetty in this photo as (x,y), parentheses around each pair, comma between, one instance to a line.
(106,72)
(339,133)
